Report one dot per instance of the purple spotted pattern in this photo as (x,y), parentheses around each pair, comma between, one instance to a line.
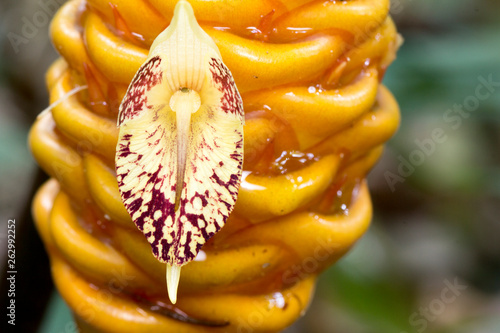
(146,166)
(231,100)
(135,100)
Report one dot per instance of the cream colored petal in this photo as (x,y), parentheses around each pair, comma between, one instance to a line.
(180,149)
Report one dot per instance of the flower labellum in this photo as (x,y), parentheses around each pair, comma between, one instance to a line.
(180,148)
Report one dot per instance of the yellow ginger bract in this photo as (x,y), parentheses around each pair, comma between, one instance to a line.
(316,117)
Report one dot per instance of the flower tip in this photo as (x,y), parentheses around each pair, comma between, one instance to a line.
(173,275)
(184,11)
(183,5)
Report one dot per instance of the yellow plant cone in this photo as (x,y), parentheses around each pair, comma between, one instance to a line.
(316,117)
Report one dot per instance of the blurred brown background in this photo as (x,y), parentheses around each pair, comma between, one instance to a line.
(431,260)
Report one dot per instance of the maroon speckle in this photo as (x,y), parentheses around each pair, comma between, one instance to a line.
(231,100)
(135,205)
(158,202)
(124,148)
(135,100)
(234,181)
(188,240)
(203,199)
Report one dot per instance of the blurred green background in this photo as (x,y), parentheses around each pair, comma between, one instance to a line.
(431,259)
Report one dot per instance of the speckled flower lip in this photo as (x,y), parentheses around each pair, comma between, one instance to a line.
(180,149)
